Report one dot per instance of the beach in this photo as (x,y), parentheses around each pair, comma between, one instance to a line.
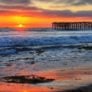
(46,62)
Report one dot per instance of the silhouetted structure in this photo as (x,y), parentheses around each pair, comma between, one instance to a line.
(72,25)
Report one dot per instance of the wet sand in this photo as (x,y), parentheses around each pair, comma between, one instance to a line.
(65,80)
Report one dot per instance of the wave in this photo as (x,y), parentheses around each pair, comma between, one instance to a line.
(39,42)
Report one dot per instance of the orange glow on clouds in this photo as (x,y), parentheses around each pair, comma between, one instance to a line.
(19,21)
(41,13)
(25,20)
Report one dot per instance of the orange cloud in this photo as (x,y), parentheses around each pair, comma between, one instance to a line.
(33,17)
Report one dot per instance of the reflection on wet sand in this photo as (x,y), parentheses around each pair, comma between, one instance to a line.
(65,79)
(5,87)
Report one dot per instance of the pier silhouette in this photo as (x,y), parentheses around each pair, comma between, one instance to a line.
(72,25)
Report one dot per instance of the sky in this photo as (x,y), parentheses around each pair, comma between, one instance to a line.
(41,13)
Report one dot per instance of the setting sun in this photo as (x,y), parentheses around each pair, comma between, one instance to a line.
(20,21)
(20,25)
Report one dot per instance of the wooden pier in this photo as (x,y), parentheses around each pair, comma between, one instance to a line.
(72,25)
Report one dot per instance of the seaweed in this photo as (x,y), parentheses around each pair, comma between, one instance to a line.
(33,79)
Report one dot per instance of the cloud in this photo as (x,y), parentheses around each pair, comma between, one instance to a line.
(68,13)
(43,12)
(83,2)
(28,6)
(14,2)
(77,2)
(11,7)
(84,13)
(68,2)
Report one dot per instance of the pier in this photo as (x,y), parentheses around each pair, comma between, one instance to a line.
(72,25)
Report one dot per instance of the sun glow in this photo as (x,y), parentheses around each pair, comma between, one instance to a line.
(20,26)
(20,21)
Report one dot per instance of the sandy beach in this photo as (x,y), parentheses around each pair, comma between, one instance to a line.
(71,80)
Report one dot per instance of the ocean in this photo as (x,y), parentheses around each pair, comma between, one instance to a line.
(63,57)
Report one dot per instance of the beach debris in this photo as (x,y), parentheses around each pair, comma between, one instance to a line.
(32,79)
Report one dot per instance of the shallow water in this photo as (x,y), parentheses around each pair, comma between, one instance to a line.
(70,67)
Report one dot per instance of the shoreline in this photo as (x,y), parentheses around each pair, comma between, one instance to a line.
(66,80)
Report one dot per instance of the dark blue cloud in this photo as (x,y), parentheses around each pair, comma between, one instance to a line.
(53,13)
(23,5)
(15,1)
(68,13)
(69,2)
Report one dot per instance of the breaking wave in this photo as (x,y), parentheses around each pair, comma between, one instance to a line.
(9,43)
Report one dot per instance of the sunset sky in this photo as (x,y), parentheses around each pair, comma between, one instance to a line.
(41,13)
